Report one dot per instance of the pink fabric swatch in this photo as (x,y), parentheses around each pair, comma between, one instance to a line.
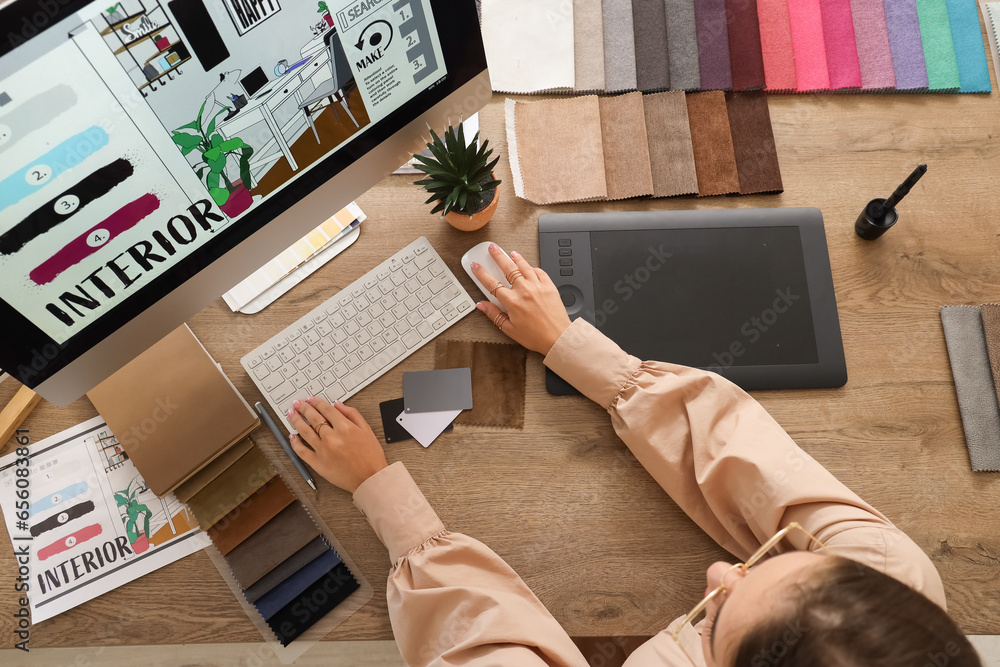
(841,48)
(872,37)
(776,44)
(811,69)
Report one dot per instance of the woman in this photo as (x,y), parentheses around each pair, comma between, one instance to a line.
(847,588)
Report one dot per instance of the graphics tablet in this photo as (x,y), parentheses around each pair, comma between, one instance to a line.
(746,293)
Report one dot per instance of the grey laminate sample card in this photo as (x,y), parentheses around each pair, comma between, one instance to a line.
(436,391)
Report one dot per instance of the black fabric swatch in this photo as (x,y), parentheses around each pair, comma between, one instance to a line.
(313,604)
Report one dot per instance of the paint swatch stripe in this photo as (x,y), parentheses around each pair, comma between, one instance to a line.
(70,541)
(34,114)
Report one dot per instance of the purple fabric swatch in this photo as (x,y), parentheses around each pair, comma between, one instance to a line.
(872,36)
(713,45)
(906,45)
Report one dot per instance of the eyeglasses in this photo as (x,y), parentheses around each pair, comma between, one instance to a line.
(742,568)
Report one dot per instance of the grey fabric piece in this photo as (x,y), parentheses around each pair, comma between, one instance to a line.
(619,46)
(649,22)
(682,45)
(977,399)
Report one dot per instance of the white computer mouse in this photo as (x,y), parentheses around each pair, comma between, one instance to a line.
(481,253)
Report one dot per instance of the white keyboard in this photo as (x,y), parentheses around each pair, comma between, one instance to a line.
(361,332)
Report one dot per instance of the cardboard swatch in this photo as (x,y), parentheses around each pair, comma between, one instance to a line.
(713,44)
(332,589)
(872,37)
(745,55)
(286,568)
(649,27)
(753,142)
(841,47)
(200,479)
(626,149)
(776,45)
(234,485)
(520,34)
(811,70)
(619,46)
(967,38)
(906,44)
(498,377)
(671,155)
(276,598)
(250,515)
(393,430)
(682,45)
(278,539)
(588,45)
(939,48)
(714,156)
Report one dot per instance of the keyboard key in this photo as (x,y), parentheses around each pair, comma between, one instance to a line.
(378,343)
(301,362)
(315,388)
(400,293)
(349,312)
(314,353)
(438,323)
(410,271)
(376,310)
(407,257)
(299,346)
(280,345)
(444,297)
(334,392)
(424,329)
(361,302)
(412,286)
(420,249)
(401,327)
(262,372)
(387,302)
(450,315)
(300,380)
(375,328)
(273,364)
(325,362)
(340,370)
(337,320)
(353,361)
(425,277)
(365,352)
(363,320)
(286,354)
(272,382)
(294,334)
(318,317)
(398,279)
(281,392)
(312,337)
(352,328)
(327,344)
(371,282)
(339,353)
(313,371)
(399,311)
(268,353)
(426,309)
(324,329)
(424,261)
(437,269)
(383,274)
(439,284)
(387,320)
(356,291)
(363,336)
(254,363)
(424,295)
(411,302)
(413,319)
(464,306)
(385,287)
(411,338)
(374,365)
(390,335)
(350,345)
(288,370)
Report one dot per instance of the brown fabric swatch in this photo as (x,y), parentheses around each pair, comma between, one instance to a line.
(234,485)
(753,142)
(588,45)
(991,324)
(652,68)
(286,568)
(626,148)
(714,158)
(498,380)
(278,539)
(671,155)
(745,54)
(250,515)
(200,480)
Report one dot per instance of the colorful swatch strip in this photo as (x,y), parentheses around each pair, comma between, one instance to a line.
(634,145)
(776,45)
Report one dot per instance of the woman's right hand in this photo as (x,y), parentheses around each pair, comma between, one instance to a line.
(535,315)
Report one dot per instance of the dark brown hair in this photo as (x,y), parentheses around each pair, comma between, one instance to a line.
(855,616)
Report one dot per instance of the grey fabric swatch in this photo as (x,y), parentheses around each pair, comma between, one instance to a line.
(682,45)
(619,46)
(649,22)
(977,399)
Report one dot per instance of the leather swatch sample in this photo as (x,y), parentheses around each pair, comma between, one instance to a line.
(276,598)
(713,44)
(745,55)
(753,143)
(872,37)
(626,148)
(313,604)
(682,45)
(200,479)
(619,46)
(652,67)
(671,154)
(714,156)
(588,45)
(250,515)
(939,48)
(977,398)
(811,70)
(278,539)
(841,46)
(234,485)
(498,379)
(906,44)
(776,44)
(991,326)
(286,568)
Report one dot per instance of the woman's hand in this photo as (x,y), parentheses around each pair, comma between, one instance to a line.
(535,315)
(341,445)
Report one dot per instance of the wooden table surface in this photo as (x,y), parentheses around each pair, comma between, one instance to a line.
(562,501)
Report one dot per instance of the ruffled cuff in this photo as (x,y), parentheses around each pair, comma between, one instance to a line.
(591,362)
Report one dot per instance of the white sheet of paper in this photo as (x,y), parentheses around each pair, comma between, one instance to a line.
(425,427)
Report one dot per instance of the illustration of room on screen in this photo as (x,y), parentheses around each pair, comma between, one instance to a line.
(247,113)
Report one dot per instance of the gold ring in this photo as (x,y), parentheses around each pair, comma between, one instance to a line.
(321,425)
(500,319)
(496,287)
(514,275)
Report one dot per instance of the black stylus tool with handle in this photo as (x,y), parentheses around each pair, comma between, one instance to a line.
(880,214)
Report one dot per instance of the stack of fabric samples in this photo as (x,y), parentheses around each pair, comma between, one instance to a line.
(275,551)
(633,145)
(799,46)
(972,334)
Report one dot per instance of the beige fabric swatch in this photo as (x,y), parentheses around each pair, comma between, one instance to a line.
(588,45)
(559,149)
(529,44)
(991,326)
(626,149)
(714,155)
(671,155)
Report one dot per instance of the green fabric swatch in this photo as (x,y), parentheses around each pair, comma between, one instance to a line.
(939,49)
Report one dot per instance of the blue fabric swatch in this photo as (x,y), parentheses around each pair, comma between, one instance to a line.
(967,36)
(271,602)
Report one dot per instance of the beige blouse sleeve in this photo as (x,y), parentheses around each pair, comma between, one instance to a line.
(727,463)
(452,601)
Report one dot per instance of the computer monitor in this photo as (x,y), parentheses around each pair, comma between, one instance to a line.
(136,186)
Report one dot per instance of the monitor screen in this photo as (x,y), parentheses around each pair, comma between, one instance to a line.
(254,81)
(132,159)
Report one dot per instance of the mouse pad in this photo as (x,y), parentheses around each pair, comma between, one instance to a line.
(394,432)
(498,380)
(438,391)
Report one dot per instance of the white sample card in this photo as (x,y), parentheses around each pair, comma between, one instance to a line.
(425,427)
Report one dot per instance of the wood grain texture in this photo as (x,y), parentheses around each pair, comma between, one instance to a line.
(562,501)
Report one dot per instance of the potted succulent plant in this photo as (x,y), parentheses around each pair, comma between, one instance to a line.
(460,179)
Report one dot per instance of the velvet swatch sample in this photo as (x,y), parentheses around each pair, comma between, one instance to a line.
(939,48)
(714,156)
(753,142)
(626,149)
(498,379)
(872,38)
(906,44)
(841,47)
(682,45)
(745,55)
(588,45)
(286,568)
(776,44)
(619,46)
(991,326)
(671,155)
(649,26)
(200,479)
(519,35)
(279,596)
(234,485)
(713,44)
(811,69)
(278,539)
(250,515)
(313,604)
(967,38)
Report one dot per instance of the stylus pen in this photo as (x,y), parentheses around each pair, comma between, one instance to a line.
(283,441)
